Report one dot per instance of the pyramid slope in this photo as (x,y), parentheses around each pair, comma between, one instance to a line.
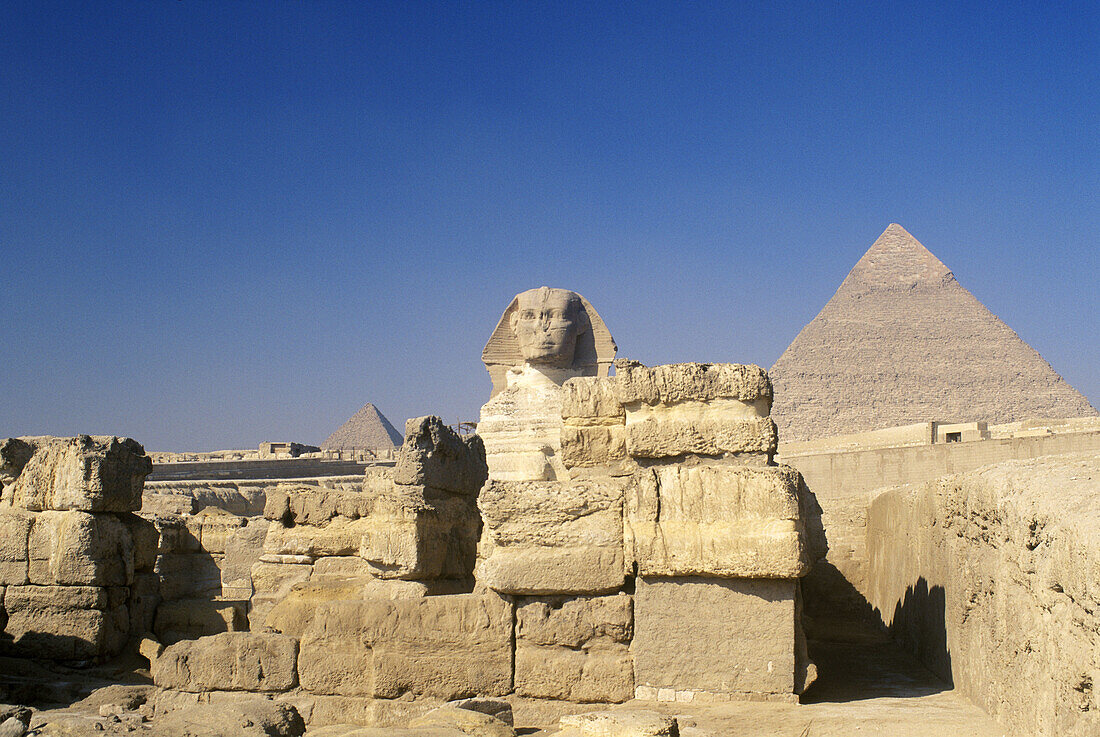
(368,429)
(902,341)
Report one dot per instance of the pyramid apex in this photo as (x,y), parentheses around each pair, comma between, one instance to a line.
(896,258)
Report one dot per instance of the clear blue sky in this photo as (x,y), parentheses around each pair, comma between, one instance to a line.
(229,222)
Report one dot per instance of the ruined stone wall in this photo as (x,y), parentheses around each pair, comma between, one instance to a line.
(76,577)
(843,479)
(992,579)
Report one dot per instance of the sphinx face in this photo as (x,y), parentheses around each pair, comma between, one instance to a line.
(546,324)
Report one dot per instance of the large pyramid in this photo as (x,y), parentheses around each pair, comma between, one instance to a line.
(901,342)
(368,429)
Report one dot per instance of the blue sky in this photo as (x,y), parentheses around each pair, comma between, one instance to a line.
(229,222)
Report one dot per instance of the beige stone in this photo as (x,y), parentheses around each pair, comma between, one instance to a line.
(271,582)
(190,619)
(15,530)
(253,717)
(553,537)
(231,661)
(87,473)
(146,541)
(656,437)
(418,532)
(992,579)
(575,622)
(65,622)
(340,536)
(602,674)
(434,455)
(575,649)
(670,384)
(441,646)
(143,601)
(719,635)
(632,723)
(188,576)
(311,505)
(717,520)
(243,548)
(465,721)
(80,549)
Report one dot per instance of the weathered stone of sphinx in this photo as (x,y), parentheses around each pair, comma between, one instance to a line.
(75,564)
(545,337)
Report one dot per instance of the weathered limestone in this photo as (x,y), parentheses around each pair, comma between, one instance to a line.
(75,564)
(593,433)
(441,646)
(552,537)
(992,579)
(575,649)
(545,337)
(725,521)
(634,723)
(86,473)
(715,635)
(233,661)
(65,622)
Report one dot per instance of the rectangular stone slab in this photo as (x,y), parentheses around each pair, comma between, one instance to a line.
(718,636)
(88,473)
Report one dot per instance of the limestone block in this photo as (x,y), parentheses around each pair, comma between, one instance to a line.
(633,723)
(601,675)
(292,615)
(444,646)
(145,538)
(417,532)
(311,505)
(80,549)
(143,601)
(591,398)
(575,622)
(188,576)
(231,661)
(15,530)
(178,534)
(723,636)
(696,382)
(657,437)
(271,582)
(255,717)
(340,536)
(553,537)
(243,548)
(65,622)
(717,520)
(91,474)
(575,649)
(216,526)
(190,619)
(592,446)
(441,646)
(435,455)
(463,721)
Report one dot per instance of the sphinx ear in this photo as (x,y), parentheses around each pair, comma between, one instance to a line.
(513,319)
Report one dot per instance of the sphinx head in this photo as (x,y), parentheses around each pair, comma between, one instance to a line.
(546,323)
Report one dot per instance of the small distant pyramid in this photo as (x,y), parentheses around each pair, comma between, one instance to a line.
(902,341)
(368,429)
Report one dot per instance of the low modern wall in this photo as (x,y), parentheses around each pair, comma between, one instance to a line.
(992,579)
(282,468)
(843,471)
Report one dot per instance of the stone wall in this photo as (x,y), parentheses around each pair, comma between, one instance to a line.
(76,564)
(992,579)
(842,471)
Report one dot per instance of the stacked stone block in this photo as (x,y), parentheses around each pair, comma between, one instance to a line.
(717,534)
(75,562)
(410,531)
